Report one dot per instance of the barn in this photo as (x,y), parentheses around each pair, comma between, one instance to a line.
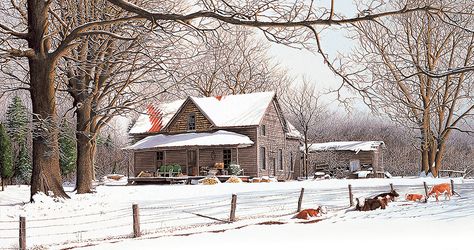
(202,135)
(347,159)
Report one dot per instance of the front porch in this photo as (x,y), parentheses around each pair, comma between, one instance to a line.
(192,154)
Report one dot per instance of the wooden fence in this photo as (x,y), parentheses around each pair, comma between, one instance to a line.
(290,202)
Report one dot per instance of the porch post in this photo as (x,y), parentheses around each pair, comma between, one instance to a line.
(237,154)
(197,163)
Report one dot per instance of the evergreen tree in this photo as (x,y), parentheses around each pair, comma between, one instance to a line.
(17,121)
(6,156)
(17,129)
(24,165)
(67,145)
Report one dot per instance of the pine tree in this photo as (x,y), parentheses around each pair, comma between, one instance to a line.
(6,156)
(17,129)
(17,121)
(24,165)
(68,154)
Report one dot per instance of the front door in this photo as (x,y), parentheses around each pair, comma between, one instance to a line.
(192,163)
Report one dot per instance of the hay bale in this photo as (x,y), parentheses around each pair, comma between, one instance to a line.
(234,179)
(210,181)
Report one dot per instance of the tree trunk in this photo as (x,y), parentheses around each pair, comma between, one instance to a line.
(46,176)
(85,149)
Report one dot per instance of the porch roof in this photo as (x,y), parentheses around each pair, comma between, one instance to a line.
(355,146)
(218,138)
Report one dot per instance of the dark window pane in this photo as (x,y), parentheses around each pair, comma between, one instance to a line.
(227,156)
(263,158)
(192,121)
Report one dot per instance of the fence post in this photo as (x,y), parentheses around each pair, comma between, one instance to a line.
(426,190)
(351,202)
(452,186)
(391,187)
(300,200)
(136,221)
(233,207)
(22,229)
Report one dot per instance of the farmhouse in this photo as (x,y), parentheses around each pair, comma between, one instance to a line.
(201,135)
(352,159)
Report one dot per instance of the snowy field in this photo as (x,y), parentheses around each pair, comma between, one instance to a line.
(175,217)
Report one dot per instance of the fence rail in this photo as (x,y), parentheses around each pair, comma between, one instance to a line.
(140,220)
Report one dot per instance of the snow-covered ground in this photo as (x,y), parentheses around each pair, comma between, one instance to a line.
(169,217)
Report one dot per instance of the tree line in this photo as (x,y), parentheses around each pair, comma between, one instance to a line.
(105,58)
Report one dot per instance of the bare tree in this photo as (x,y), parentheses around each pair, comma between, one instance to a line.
(35,37)
(394,57)
(304,108)
(231,61)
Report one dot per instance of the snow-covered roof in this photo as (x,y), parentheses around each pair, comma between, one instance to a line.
(293,132)
(355,146)
(235,110)
(218,138)
(156,117)
(222,111)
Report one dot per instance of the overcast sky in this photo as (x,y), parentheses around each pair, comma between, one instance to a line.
(305,63)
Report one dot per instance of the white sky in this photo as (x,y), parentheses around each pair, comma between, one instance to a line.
(304,63)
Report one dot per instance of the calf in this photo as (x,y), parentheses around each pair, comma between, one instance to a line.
(308,213)
(414,197)
(371,204)
(390,196)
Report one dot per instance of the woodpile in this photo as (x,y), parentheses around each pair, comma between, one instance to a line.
(234,179)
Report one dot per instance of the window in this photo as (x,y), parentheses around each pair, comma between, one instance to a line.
(280,159)
(262,130)
(263,157)
(227,157)
(159,156)
(192,121)
(292,166)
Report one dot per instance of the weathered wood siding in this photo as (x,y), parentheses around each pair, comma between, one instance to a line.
(176,157)
(273,140)
(144,161)
(180,122)
(247,156)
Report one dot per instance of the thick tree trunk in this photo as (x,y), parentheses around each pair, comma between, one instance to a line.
(46,176)
(85,149)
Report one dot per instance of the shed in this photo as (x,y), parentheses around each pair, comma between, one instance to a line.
(351,159)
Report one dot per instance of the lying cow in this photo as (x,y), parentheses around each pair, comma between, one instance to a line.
(390,195)
(370,204)
(415,197)
(306,214)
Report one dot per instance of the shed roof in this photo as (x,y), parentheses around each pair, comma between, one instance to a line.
(218,138)
(355,146)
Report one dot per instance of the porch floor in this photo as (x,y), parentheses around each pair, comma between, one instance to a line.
(177,179)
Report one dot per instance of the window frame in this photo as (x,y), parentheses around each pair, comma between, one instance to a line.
(263,157)
(188,127)
(280,159)
(224,153)
(263,130)
(158,154)
(292,166)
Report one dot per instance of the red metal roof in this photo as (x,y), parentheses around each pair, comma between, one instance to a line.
(156,119)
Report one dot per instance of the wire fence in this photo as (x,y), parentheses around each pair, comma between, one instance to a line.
(174,215)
